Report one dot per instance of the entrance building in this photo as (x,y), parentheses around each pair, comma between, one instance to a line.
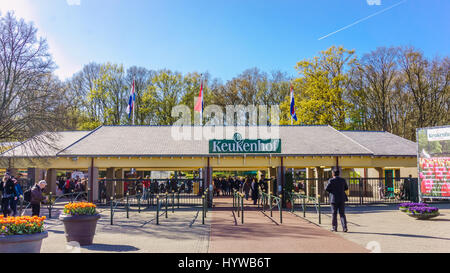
(115,150)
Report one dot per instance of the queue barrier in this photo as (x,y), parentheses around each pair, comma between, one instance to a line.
(124,202)
(272,201)
(53,200)
(163,200)
(238,204)
(298,196)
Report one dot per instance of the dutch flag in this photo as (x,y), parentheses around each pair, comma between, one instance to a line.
(131,100)
(293,115)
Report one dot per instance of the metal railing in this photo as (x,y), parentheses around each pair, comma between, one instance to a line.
(67,198)
(238,204)
(183,189)
(363,191)
(53,200)
(305,200)
(124,204)
(272,201)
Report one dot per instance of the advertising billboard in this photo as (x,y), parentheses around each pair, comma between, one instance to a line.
(434,162)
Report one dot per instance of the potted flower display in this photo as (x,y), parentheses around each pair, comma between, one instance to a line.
(404,206)
(423,213)
(80,221)
(22,234)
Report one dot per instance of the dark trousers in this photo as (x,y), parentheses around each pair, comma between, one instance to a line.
(6,204)
(14,206)
(335,207)
(254,198)
(35,209)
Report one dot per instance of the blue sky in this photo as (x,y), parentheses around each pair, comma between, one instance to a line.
(225,37)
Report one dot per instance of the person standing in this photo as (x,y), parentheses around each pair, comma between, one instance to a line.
(255,192)
(9,194)
(263,183)
(336,187)
(37,197)
(19,194)
(246,188)
(407,186)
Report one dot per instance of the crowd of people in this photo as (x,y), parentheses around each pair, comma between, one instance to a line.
(150,186)
(12,193)
(250,186)
(71,185)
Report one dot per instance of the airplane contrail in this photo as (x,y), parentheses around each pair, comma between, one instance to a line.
(363,19)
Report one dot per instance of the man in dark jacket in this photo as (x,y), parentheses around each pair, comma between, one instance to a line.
(255,191)
(336,187)
(37,197)
(8,189)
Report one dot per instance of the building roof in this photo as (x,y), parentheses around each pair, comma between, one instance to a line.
(383,143)
(46,144)
(160,141)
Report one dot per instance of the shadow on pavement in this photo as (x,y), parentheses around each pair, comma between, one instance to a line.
(401,235)
(105,247)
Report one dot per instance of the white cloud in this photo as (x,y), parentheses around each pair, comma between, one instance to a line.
(73,2)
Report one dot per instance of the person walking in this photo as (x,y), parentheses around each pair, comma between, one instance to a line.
(246,188)
(255,192)
(336,187)
(9,194)
(37,197)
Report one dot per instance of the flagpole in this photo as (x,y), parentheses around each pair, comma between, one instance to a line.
(201,86)
(292,94)
(134,98)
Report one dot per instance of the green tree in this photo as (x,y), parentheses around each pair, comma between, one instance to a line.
(323,82)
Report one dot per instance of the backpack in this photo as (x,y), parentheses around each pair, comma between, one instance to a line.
(27,195)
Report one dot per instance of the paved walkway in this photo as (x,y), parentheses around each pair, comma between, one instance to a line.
(264,234)
(182,231)
(383,228)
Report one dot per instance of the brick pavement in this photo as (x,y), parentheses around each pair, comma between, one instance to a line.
(264,234)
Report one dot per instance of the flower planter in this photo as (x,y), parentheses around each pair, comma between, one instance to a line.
(80,228)
(27,243)
(423,216)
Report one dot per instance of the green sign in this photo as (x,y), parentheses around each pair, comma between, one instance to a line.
(244,146)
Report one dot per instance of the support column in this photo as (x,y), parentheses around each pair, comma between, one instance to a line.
(93,183)
(280,178)
(51,181)
(35,175)
(207,178)
(309,181)
(320,183)
(110,185)
(380,172)
(119,174)
(272,176)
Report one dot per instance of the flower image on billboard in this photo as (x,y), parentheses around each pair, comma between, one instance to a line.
(434,162)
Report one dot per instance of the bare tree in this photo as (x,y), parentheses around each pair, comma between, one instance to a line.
(428,83)
(377,73)
(29,93)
